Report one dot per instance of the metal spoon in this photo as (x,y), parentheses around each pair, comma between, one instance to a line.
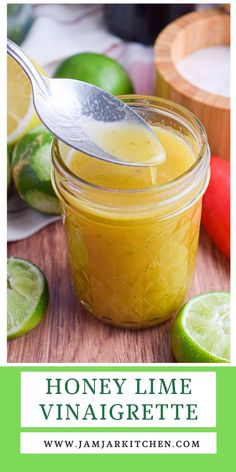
(68,107)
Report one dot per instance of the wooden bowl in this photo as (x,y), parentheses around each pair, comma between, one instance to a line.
(202,29)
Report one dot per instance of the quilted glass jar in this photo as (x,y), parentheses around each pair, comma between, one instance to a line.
(132,240)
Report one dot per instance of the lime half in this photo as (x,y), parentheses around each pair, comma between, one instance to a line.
(201,330)
(27,296)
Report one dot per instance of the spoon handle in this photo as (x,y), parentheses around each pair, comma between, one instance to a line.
(34,75)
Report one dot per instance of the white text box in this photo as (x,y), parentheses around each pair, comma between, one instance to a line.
(133,399)
(118,443)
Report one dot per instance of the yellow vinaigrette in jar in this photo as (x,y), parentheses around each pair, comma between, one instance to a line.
(179,157)
(132,231)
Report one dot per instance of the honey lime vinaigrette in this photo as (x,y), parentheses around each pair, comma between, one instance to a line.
(133,231)
(178,158)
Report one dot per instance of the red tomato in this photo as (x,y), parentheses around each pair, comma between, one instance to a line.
(216,205)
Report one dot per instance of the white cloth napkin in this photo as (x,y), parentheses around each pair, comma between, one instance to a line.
(59,31)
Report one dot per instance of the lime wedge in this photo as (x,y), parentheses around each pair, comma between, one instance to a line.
(27,296)
(201,330)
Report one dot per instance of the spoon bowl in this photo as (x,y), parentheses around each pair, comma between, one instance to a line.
(77,112)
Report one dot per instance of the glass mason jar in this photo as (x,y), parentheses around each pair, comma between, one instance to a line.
(132,252)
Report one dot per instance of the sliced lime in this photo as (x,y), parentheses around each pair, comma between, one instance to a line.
(201,330)
(27,296)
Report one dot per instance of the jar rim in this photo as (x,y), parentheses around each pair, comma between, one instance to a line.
(147,102)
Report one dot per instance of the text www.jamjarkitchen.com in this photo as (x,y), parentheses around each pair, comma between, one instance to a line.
(118,443)
(121,444)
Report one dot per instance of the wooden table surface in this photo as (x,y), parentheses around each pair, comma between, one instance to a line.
(69,334)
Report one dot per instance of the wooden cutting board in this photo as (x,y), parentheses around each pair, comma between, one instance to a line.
(69,334)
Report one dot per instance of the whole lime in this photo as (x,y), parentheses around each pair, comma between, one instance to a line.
(31,170)
(9,179)
(96,69)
